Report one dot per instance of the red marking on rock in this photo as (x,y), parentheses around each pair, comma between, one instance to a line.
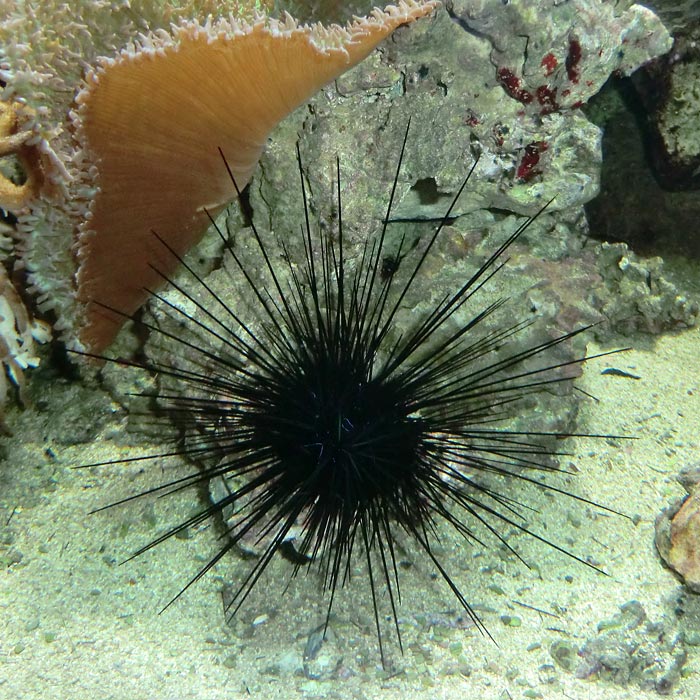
(573,60)
(471,119)
(547,97)
(549,63)
(528,164)
(513,86)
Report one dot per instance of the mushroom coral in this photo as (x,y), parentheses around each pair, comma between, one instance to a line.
(149,123)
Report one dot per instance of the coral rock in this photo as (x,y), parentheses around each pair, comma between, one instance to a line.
(684,552)
(678,531)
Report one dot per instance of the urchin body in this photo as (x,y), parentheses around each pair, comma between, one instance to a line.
(330,424)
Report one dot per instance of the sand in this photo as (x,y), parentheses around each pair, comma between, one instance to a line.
(74,623)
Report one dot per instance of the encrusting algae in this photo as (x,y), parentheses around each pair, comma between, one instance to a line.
(114,113)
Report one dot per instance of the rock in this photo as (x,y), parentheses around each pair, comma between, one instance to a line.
(669,87)
(631,650)
(684,552)
(678,531)
(638,296)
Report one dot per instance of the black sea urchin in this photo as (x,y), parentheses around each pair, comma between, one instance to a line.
(332,426)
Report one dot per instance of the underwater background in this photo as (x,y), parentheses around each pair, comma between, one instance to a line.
(595,104)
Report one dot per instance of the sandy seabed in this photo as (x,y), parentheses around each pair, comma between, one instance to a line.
(76,624)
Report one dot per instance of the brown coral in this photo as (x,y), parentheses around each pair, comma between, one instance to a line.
(15,140)
(150,121)
(18,334)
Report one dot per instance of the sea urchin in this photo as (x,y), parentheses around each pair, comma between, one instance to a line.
(333,427)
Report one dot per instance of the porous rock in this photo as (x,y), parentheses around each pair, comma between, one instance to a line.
(632,650)
(637,296)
